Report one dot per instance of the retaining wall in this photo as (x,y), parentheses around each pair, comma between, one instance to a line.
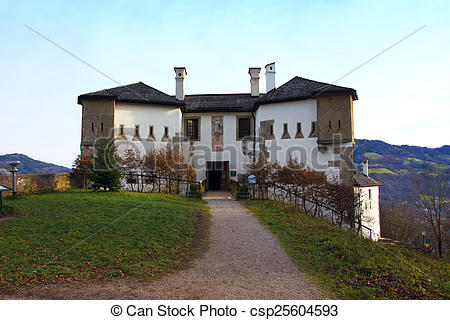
(29,183)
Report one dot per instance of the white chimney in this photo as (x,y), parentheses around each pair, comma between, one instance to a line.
(366,167)
(180,74)
(254,81)
(270,76)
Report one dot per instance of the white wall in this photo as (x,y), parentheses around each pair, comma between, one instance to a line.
(144,115)
(232,149)
(370,209)
(304,149)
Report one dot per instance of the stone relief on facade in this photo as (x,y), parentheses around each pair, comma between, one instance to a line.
(217,133)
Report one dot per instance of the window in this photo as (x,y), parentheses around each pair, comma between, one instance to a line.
(313,130)
(121,135)
(244,125)
(92,126)
(150,137)
(191,129)
(339,124)
(285,132)
(166,134)
(329,125)
(136,133)
(299,133)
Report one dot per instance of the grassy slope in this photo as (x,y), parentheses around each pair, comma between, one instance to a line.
(347,265)
(157,237)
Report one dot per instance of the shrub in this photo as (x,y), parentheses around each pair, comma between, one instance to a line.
(193,187)
(243,189)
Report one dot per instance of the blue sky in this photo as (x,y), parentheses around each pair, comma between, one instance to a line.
(404,95)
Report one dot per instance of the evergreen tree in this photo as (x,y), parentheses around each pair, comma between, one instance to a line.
(81,170)
(105,172)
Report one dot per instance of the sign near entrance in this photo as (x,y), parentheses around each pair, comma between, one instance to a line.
(251,179)
(233,173)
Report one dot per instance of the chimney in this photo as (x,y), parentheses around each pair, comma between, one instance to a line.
(366,168)
(254,81)
(270,76)
(180,74)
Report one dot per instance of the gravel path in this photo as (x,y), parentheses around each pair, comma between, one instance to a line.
(244,261)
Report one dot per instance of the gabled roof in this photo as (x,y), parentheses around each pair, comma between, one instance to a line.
(300,89)
(361,180)
(136,92)
(295,89)
(239,102)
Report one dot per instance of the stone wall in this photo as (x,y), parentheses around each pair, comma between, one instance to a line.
(38,182)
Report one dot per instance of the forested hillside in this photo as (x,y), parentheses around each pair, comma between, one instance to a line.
(397,167)
(29,165)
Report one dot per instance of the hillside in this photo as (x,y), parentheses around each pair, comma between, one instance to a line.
(29,165)
(396,166)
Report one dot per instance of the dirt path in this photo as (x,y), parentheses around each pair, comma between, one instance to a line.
(244,261)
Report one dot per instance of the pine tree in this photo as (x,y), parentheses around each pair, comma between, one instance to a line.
(104,171)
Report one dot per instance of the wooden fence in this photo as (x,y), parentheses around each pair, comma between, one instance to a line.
(315,207)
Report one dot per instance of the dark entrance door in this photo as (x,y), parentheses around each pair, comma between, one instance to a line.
(217,175)
(214,179)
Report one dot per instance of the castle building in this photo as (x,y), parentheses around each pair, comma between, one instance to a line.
(309,120)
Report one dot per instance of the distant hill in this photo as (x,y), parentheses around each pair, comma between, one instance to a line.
(29,165)
(397,167)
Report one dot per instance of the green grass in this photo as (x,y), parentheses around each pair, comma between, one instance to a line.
(372,155)
(77,236)
(347,266)
(381,170)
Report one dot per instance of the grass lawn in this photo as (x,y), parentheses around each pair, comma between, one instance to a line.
(348,266)
(73,236)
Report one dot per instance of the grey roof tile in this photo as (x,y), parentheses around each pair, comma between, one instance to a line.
(361,180)
(136,92)
(300,88)
(295,89)
(239,102)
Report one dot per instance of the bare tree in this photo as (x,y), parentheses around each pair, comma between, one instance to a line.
(432,193)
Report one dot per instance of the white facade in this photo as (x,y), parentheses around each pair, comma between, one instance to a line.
(306,149)
(129,115)
(232,148)
(370,207)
